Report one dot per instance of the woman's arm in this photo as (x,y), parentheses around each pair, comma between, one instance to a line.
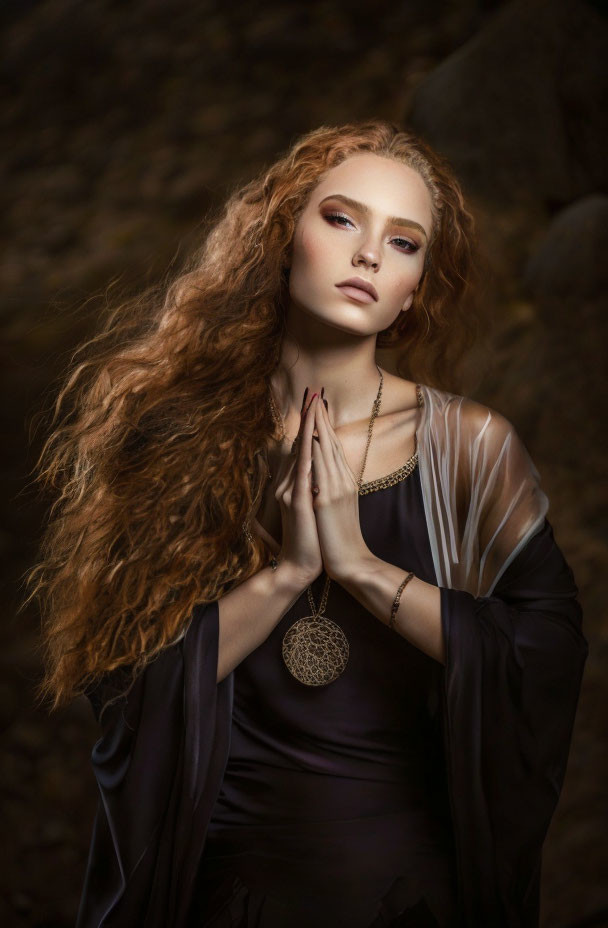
(250,611)
(512,668)
(374,582)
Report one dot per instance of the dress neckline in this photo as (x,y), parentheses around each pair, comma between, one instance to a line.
(379,483)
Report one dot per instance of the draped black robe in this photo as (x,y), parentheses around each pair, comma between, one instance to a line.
(509,691)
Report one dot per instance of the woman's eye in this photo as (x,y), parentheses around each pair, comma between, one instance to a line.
(407,244)
(404,244)
(338,216)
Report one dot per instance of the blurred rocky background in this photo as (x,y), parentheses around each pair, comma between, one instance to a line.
(125,124)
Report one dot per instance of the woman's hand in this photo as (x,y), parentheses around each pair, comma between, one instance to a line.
(300,546)
(336,506)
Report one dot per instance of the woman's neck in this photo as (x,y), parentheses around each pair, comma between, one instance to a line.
(351,382)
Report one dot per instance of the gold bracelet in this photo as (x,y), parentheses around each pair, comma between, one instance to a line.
(404,582)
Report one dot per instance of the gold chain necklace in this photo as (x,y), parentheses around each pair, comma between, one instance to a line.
(315,649)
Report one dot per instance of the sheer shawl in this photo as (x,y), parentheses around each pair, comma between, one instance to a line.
(480,488)
(515,654)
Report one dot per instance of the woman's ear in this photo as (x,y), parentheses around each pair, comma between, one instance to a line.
(408,302)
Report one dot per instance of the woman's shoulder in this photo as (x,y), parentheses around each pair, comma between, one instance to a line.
(455,409)
(468,439)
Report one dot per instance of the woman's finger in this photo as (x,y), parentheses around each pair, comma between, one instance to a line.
(333,446)
(336,445)
(304,456)
(322,453)
(285,472)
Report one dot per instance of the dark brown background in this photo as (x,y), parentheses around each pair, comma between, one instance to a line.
(124,124)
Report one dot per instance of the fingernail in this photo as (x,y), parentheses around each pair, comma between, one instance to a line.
(326,404)
(304,400)
(311,400)
(322,392)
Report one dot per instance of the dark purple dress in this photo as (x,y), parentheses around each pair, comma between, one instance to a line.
(334,806)
(362,801)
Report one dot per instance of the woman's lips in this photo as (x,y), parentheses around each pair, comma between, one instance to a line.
(362,296)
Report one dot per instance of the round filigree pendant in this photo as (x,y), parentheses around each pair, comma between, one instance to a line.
(315,650)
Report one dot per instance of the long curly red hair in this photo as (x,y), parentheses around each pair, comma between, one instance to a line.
(157,439)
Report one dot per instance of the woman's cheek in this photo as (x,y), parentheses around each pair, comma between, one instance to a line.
(314,249)
(311,263)
(407,283)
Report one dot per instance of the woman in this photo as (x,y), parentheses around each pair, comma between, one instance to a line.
(323,699)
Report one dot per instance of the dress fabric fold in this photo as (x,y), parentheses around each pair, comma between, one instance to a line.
(466,760)
(334,798)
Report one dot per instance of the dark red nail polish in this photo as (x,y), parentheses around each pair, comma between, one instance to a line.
(326,404)
(322,392)
(310,404)
(304,400)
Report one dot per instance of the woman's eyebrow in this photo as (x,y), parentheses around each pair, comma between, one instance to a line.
(394,220)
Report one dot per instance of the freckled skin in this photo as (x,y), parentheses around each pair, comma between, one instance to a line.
(330,339)
(324,253)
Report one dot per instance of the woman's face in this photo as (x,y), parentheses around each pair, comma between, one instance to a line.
(370,217)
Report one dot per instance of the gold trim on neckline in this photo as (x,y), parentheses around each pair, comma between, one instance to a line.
(381,483)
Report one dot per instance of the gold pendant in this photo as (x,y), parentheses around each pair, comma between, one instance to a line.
(315,650)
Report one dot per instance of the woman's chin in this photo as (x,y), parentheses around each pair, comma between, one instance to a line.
(350,320)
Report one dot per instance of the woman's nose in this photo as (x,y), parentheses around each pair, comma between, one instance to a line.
(369,256)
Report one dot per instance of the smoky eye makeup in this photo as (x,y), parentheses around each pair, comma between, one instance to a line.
(338,218)
(400,226)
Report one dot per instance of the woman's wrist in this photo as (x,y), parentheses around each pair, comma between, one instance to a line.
(289,574)
(376,583)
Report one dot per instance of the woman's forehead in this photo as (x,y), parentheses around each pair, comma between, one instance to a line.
(378,184)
